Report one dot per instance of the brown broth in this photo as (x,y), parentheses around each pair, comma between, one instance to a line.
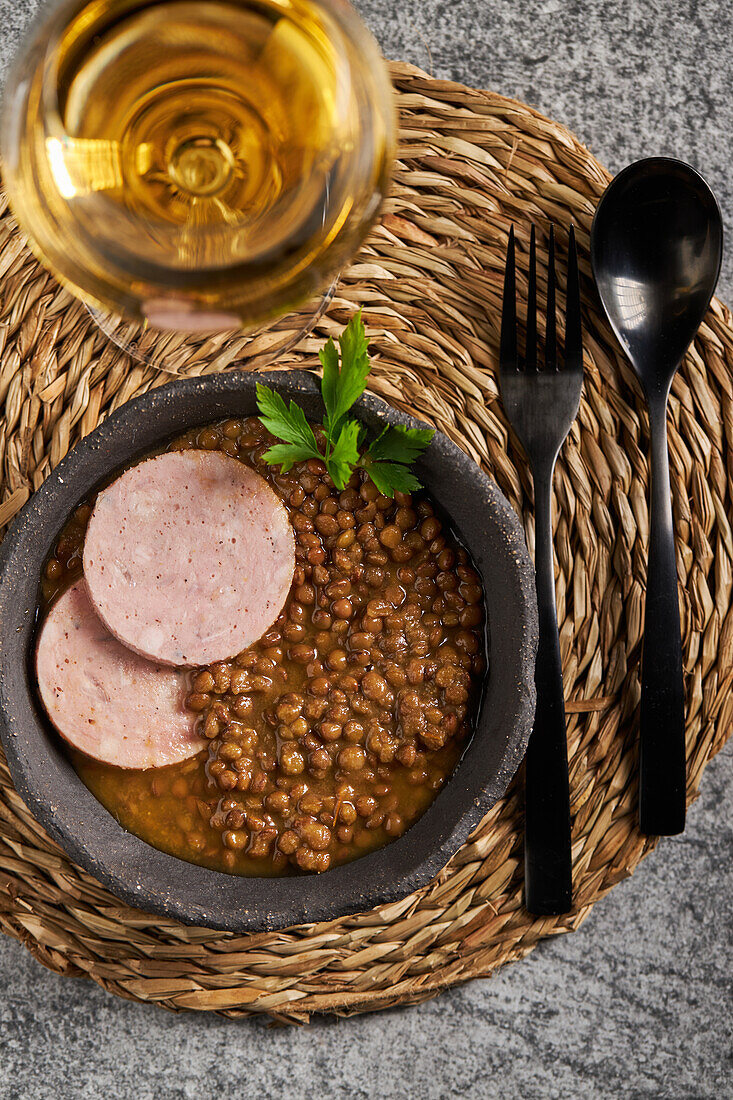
(219,809)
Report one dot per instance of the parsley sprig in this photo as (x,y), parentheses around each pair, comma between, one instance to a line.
(387,459)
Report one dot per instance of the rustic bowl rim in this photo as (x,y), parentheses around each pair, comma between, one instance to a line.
(151,880)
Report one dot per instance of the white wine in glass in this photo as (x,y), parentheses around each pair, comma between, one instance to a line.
(197,164)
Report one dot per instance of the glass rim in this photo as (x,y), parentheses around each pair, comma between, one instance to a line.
(37,63)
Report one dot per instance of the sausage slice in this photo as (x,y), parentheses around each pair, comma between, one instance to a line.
(105,700)
(189,557)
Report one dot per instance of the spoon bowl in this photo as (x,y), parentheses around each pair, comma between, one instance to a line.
(656,250)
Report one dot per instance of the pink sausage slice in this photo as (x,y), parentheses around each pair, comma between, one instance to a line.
(106,701)
(189,557)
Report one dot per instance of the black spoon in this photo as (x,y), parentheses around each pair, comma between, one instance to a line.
(656,249)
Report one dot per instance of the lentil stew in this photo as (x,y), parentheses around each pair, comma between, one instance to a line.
(335,731)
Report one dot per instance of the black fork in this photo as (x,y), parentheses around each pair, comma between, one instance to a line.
(541,404)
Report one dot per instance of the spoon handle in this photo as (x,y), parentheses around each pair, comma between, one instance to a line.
(547,854)
(662,718)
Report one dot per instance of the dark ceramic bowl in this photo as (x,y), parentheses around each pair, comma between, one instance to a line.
(152,880)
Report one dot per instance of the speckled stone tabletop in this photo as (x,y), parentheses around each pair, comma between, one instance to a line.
(638,1002)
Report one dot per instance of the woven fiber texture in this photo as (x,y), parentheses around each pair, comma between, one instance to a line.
(429,280)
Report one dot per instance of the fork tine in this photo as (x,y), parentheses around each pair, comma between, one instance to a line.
(550,327)
(508,359)
(530,354)
(573,333)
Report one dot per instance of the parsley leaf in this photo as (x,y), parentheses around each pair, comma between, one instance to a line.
(391,477)
(343,384)
(398,444)
(290,425)
(329,357)
(345,454)
(345,369)
(389,457)
(287,454)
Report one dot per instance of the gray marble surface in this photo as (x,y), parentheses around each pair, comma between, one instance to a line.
(637,1003)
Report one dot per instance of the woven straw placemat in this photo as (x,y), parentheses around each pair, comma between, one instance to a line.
(430,281)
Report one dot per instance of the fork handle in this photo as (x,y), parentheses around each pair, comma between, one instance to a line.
(547,856)
(662,715)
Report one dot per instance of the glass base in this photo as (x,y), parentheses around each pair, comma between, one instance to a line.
(183,353)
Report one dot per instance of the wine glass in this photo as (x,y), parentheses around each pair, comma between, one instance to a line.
(188,168)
